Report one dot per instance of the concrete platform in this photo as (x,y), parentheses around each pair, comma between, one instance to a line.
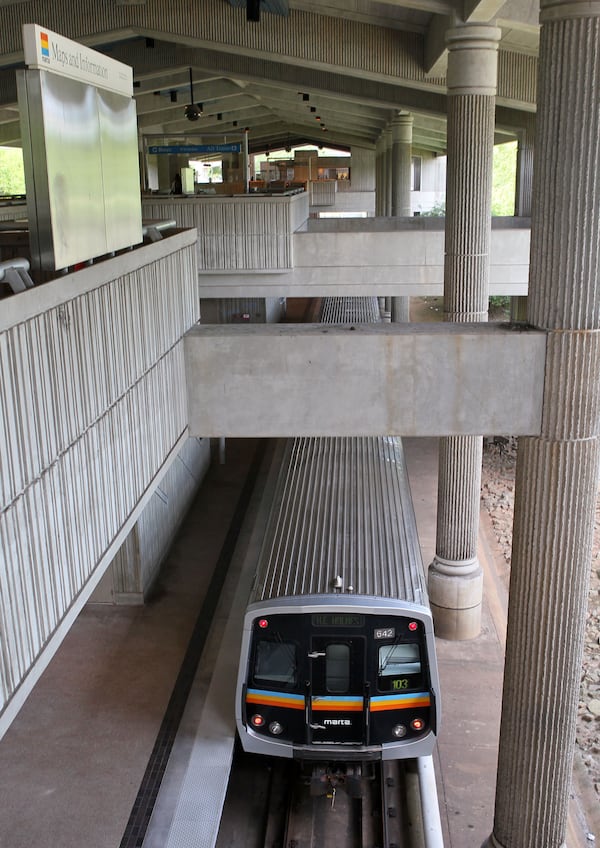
(73,762)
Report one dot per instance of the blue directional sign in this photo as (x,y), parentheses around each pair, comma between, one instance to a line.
(233,147)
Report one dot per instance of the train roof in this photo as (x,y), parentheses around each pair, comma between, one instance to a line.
(342,512)
(349,310)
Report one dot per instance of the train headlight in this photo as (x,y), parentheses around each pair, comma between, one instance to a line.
(399,731)
(257,720)
(417,724)
(276,728)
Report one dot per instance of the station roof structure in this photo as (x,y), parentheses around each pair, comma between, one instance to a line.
(330,72)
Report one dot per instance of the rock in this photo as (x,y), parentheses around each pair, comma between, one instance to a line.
(594,706)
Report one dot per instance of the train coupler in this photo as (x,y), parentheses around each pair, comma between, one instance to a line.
(329,779)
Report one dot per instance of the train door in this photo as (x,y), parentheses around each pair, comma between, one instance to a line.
(337,682)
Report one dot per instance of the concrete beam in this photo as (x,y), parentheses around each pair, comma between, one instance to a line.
(412,380)
(362,257)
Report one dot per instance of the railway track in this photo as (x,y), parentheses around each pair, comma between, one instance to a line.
(370,805)
(385,814)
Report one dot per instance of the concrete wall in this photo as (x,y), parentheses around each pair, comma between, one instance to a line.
(362,174)
(136,566)
(382,256)
(93,412)
(348,196)
(411,379)
(347,200)
(433,182)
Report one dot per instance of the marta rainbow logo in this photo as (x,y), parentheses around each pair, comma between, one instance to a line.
(44,45)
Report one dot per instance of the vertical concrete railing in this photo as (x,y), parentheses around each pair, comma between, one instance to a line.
(242,233)
(92,403)
(13,212)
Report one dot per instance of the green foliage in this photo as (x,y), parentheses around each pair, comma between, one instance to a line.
(503,183)
(438,210)
(12,176)
(504,179)
(499,307)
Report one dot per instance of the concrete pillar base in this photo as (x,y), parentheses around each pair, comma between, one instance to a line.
(455,596)
(492,842)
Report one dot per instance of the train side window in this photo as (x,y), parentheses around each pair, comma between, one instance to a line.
(337,668)
(275,663)
(399,659)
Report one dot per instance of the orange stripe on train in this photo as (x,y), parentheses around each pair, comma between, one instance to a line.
(338,704)
(400,702)
(290,702)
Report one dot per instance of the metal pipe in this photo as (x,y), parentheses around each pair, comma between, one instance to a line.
(17,263)
(432,825)
(245,162)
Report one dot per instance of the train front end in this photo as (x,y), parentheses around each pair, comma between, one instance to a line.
(326,678)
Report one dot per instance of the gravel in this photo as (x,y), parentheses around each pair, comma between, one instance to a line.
(497,497)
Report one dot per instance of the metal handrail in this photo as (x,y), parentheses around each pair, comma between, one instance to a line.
(16,273)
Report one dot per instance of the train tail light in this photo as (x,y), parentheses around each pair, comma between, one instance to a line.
(257,720)
(417,724)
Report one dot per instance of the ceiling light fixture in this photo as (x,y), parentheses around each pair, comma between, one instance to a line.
(191,111)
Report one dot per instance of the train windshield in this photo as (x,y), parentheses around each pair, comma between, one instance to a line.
(337,668)
(275,663)
(399,659)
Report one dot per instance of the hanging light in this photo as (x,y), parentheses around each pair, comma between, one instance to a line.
(191,111)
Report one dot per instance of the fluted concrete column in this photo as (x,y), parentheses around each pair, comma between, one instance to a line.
(557,473)
(402,132)
(379,162)
(525,147)
(400,310)
(455,576)
(387,173)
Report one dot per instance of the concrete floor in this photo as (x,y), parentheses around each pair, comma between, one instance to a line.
(72,762)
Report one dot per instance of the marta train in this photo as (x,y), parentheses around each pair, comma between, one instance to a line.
(338,654)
